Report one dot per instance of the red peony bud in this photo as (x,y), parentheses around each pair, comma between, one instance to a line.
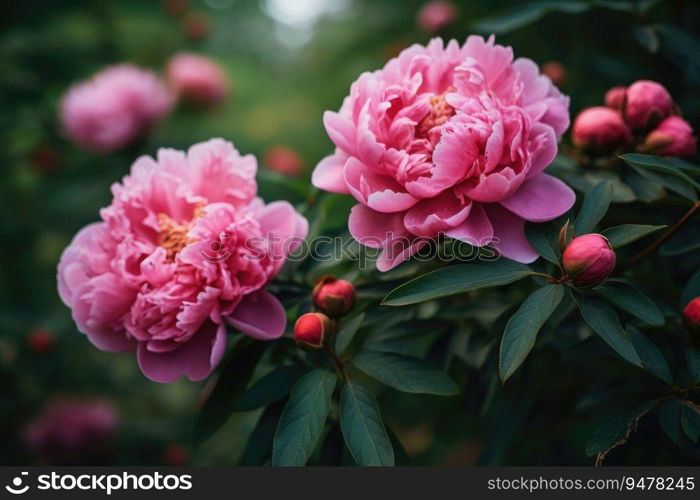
(673,137)
(196,26)
(310,330)
(615,97)
(40,341)
(283,160)
(600,129)
(691,318)
(588,260)
(555,71)
(333,296)
(646,104)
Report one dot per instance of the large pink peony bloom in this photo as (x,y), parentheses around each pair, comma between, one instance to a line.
(448,139)
(113,108)
(184,248)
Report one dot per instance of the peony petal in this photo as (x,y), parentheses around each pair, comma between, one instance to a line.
(476,230)
(195,359)
(509,235)
(341,131)
(540,199)
(260,316)
(547,152)
(400,250)
(328,174)
(379,192)
(372,228)
(432,216)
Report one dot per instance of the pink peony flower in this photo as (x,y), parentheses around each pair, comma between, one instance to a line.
(673,137)
(197,79)
(184,248)
(113,108)
(601,129)
(436,15)
(448,139)
(614,97)
(71,427)
(644,100)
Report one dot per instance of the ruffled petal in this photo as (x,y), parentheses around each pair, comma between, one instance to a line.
(328,174)
(476,230)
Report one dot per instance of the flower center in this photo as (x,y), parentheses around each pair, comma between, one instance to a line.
(173,236)
(440,112)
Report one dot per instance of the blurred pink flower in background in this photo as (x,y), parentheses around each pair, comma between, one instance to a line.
(615,97)
(71,427)
(184,248)
(284,160)
(673,137)
(448,139)
(436,15)
(600,128)
(197,79)
(114,107)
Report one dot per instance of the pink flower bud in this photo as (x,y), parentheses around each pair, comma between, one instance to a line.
(333,296)
(673,137)
(283,160)
(310,330)
(600,129)
(588,260)
(197,79)
(615,97)
(691,318)
(555,71)
(436,15)
(646,104)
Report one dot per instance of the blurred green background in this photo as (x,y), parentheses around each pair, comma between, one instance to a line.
(288,61)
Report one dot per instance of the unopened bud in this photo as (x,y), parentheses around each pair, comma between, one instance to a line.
(40,341)
(588,260)
(673,137)
(691,319)
(310,330)
(333,296)
(646,104)
(615,97)
(600,129)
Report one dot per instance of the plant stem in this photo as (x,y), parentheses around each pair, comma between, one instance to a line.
(671,231)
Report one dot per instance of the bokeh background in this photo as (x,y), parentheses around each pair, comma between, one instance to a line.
(287,61)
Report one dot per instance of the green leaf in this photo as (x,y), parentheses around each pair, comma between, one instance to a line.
(631,300)
(658,164)
(691,290)
(690,420)
(523,15)
(235,374)
(692,358)
(543,238)
(405,373)
(594,206)
(622,193)
(270,388)
(615,432)
(303,419)
(670,420)
(644,189)
(455,279)
(362,426)
(602,318)
(670,182)
(682,48)
(619,236)
(652,359)
(259,443)
(347,333)
(522,328)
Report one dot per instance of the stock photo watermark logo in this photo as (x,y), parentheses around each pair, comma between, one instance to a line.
(363,251)
(105,483)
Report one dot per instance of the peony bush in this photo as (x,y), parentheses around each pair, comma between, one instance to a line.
(463,257)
